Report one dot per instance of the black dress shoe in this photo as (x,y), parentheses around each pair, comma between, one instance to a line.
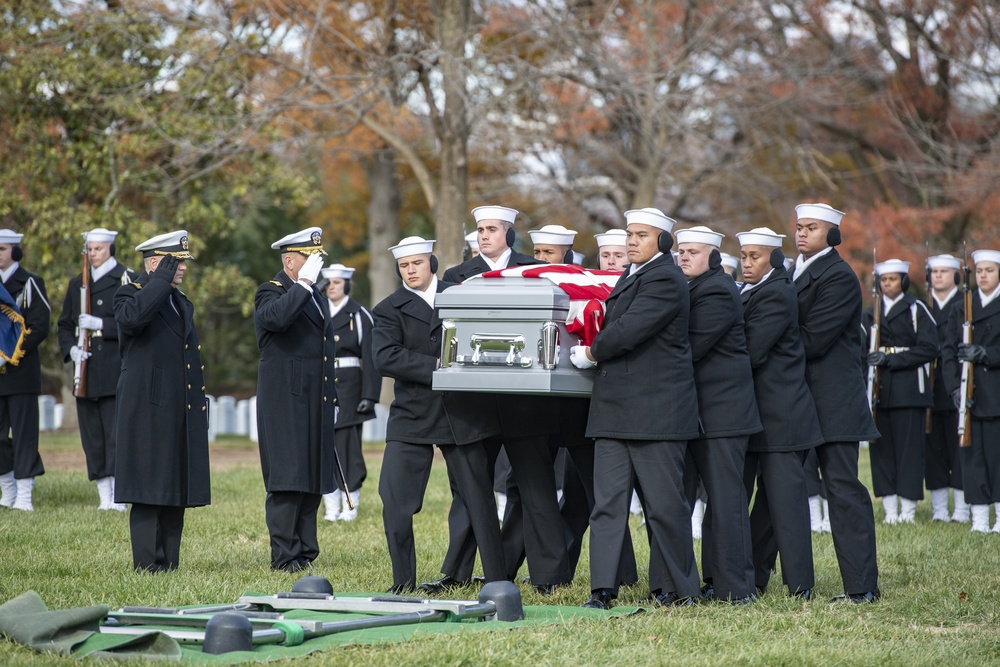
(445,583)
(546,589)
(743,601)
(671,599)
(858,598)
(599,599)
(400,589)
(708,591)
(291,566)
(804,595)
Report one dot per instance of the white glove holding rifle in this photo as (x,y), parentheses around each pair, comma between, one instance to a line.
(78,354)
(90,322)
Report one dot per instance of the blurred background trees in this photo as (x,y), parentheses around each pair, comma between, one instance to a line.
(243,121)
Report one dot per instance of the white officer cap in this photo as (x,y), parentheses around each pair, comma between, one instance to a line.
(892,266)
(823,212)
(10,236)
(171,243)
(552,235)
(100,235)
(653,217)
(699,234)
(986,256)
(760,236)
(615,237)
(472,238)
(307,241)
(491,212)
(412,245)
(337,271)
(730,261)
(944,262)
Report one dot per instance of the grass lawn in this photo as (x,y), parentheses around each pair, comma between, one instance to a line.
(940,583)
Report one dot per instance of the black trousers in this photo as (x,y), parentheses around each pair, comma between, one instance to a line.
(19,453)
(348,442)
(810,466)
(727,560)
(852,521)
(658,467)
(942,462)
(981,463)
(460,559)
(898,456)
(97,433)
(155,531)
(779,520)
(291,524)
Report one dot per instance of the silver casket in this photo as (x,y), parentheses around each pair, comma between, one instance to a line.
(508,335)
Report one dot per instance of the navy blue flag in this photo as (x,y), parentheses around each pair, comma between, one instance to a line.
(12,329)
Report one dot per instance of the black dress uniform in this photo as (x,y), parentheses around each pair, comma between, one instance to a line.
(20,386)
(161,464)
(96,411)
(405,345)
(942,460)
(728,411)
(779,521)
(643,410)
(477,265)
(296,414)
(908,337)
(829,297)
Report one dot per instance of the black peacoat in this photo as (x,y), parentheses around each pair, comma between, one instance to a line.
(905,383)
(352,335)
(942,315)
(406,344)
(162,425)
(644,388)
(477,265)
(985,378)
(104,365)
(727,406)
(829,297)
(28,292)
(787,410)
(296,393)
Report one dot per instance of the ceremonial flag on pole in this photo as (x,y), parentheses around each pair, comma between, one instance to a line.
(587,289)
(12,330)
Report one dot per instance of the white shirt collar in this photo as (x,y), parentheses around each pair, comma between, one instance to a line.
(941,302)
(889,303)
(747,286)
(501,262)
(636,268)
(801,264)
(428,294)
(103,269)
(987,300)
(334,309)
(5,275)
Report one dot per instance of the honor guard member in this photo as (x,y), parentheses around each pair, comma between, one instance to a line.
(96,409)
(908,343)
(472,243)
(296,399)
(612,255)
(981,459)
(727,407)
(21,384)
(405,345)
(553,244)
(942,462)
(161,462)
(643,410)
(358,387)
(495,235)
(730,264)
(779,520)
(829,296)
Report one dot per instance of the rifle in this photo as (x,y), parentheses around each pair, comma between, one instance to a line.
(966,387)
(932,367)
(874,338)
(83,335)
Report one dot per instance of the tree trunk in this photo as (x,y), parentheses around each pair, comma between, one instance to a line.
(383,221)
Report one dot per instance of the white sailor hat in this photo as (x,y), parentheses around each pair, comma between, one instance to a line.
(491,212)
(730,261)
(823,212)
(760,236)
(788,263)
(892,266)
(10,236)
(653,217)
(986,256)
(472,238)
(552,235)
(412,245)
(944,262)
(699,234)
(100,235)
(171,243)
(615,237)
(337,271)
(308,242)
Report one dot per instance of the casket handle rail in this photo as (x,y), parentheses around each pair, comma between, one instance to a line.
(488,349)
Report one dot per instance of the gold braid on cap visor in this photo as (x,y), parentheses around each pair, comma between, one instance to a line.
(305,250)
(179,254)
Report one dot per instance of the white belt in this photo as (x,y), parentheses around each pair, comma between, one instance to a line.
(346,362)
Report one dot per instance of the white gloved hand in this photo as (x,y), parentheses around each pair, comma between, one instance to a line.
(578,355)
(77,354)
(90,322)
(310,270)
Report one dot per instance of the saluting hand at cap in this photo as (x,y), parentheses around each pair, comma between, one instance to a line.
(310,270)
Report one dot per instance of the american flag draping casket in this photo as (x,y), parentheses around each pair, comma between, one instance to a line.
(510,331)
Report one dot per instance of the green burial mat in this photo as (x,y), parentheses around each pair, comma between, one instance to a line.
(74,632)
